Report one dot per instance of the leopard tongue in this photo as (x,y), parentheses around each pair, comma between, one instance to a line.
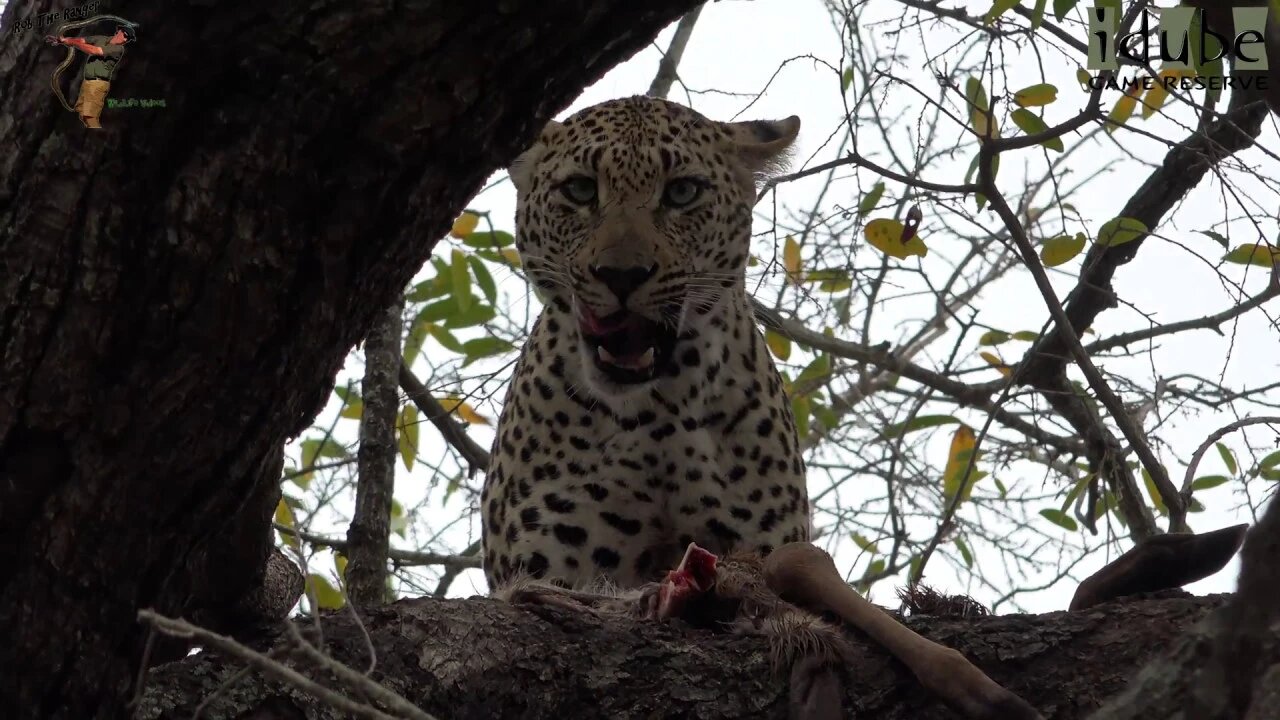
(631,361)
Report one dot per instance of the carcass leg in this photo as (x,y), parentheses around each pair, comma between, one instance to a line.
(804,574)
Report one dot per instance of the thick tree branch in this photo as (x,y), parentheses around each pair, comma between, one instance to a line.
(976,396)
(485,658)
(667,67)
(453,432)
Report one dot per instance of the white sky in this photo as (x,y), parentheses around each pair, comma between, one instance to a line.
(738,46)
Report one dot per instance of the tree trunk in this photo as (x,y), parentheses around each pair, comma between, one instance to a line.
(367,536)
(178,290)
(482,658)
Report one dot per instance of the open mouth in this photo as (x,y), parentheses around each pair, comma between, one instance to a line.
(628,348)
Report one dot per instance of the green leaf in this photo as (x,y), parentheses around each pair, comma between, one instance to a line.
(488,240)
(1036,95)
(1027,335)
(1260,254)
(475,315)
(1037,15)
(325,594)
(1209,481)
(398,522)
(826,416)
(444,337)
(1004,491)
(870,200)
(919,422)
(963,547)
(1075,491)
(1228,458)
(1031,124)
(800,411)
(1059,518)
(864,544)
(436,311)
(484,347)
(461,281)
(1000,7)
(1154,492)
(994,337)
(451,487)
(779,345)
(1062,7)
(819,369)
(408,435)
(435,287)
(1121,230)
(413,344)
(1061,249)
(1216,237)
(314,449)
(483,278)
(1270,461)
(846,79)
(1271,474)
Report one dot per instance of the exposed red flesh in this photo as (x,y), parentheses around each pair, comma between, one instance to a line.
(695,575)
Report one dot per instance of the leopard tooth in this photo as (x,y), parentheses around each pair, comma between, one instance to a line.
(646,359)
(605,355)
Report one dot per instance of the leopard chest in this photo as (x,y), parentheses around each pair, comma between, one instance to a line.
(636,490)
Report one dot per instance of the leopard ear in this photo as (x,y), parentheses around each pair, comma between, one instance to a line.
(521,169)
(764,145)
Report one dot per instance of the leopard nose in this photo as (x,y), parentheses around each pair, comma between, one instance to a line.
(623,281)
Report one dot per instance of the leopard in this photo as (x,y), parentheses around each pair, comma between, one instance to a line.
(645,411)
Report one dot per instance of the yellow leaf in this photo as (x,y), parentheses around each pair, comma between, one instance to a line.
(284,516)
(1255,254)
(791,259)
(995,361)
(1124,107)
(885,235)
(1154,99)
(325,594)
(1061,249)
(408,440)
(464,225)
(460,408)
(963,443)
(1120,230)
(1035,95)
(511,256)
(980,118)
(779,345)
(340,562)
(1083,77)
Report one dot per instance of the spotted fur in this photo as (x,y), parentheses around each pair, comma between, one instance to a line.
(593,477)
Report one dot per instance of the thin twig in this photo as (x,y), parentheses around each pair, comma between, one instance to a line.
(178,628)
(1177,522)
(400,557)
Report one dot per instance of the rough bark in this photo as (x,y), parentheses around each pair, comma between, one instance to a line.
(367,536)
(482,658)
(178,291)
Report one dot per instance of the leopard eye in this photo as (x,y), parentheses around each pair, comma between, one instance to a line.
(680,192)
(579,189)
